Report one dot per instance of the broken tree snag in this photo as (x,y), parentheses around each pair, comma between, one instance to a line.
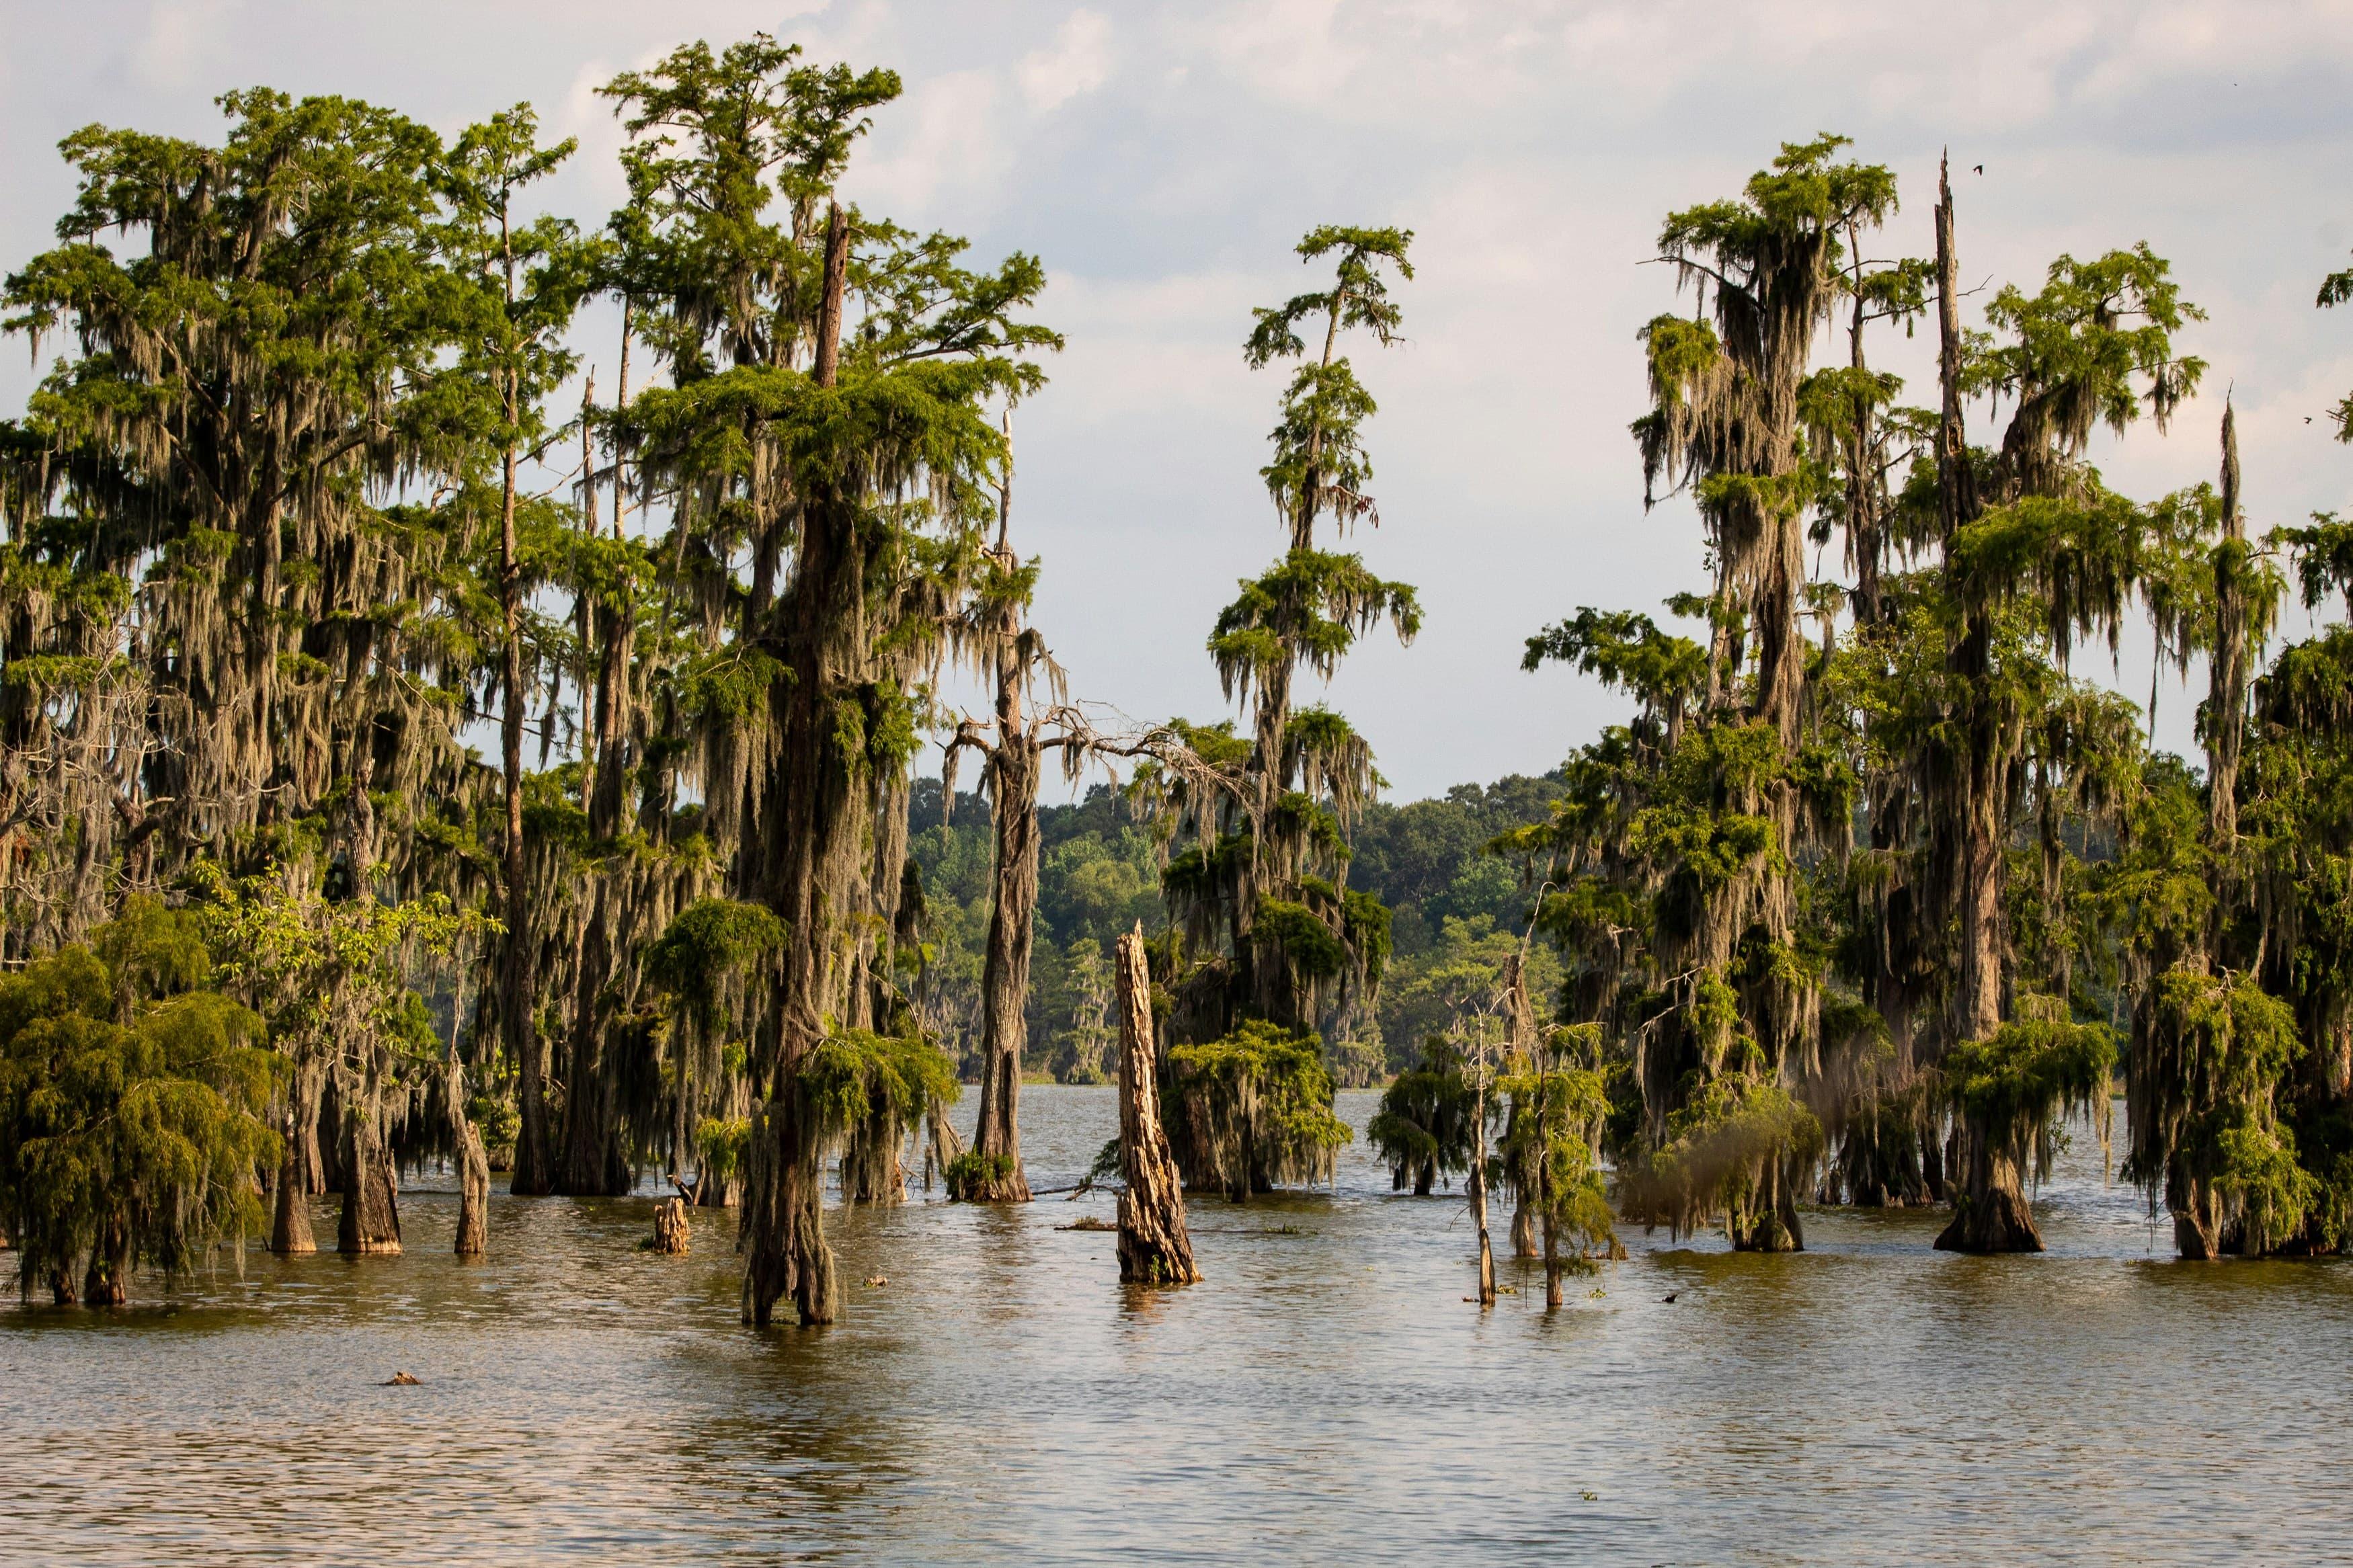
(1154,1249)
(473,1169)
(670,1226)
(837,273)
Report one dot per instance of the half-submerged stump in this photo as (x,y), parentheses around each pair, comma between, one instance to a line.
(1153,1247)
(670,1234)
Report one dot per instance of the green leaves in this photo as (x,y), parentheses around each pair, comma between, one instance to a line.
(1308,610)
(1625,651)
(2015,1085)
(131,1103)
(1320,465)
(710,942)
(2093,347)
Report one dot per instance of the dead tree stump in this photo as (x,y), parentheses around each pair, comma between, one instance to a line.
(473,1169)
(670,1226)
(1153,1247)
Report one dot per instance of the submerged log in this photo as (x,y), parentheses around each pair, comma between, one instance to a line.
(1153,1247)
(670,1233)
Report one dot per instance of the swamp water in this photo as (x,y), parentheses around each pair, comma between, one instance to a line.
(1325,1395)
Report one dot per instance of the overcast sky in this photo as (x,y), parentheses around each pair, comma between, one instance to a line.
(1162,159)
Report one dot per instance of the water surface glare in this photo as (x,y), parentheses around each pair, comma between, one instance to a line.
(1326,1395)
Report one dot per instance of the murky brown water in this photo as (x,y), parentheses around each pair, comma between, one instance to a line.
(1325,1395)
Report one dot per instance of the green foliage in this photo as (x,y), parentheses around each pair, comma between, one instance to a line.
(1320,463)
(133,1101)
(1547,1155)
(1427,1122)
(722,1141)
(1625,651)
(2014,1086)
(711,940)
(1259,1109)
(974,1171)
(857,1078)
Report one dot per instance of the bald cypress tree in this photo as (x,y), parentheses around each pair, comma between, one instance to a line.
(1680,848)
(2036,556)
(823,443)
(1278,941)
(521,282)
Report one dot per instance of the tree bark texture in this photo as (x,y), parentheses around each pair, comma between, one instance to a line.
(1776,1228)
(595,1162)
(371,1220)
(1519,1044)
(1154,1247)
(298,1170)
(533,1168)
(108,1282)
(2227,699)
(1013,767)
(671,1232)
(1978,1001)
(473,1169)
(1990,1213)
(813,844)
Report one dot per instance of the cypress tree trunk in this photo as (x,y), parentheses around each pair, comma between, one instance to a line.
(813,840)
(1991,1213)
(1776,1228)
(1154,1247)
(1478,1196)
(108,1283)
(297,1170)
(533,1167)
(871,1173)
(595,1164)
(1004,981)
(473,1196)
(1519,1043)
(944,1146)
(871,1169)
(1979,1007)
(670,1233)
(2227,699)
(371,1220)
(1551,1261)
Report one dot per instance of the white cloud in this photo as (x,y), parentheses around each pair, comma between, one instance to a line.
(1164,155)
(1078,64)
